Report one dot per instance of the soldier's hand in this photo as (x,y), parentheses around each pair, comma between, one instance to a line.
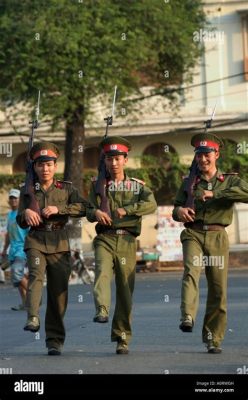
(50,210)
(120,212)
(32,218)
(103,218)
(207,194)
(186,214)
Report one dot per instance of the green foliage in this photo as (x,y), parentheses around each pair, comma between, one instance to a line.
(234,158)
(163,177)
(11,181)
(75,51)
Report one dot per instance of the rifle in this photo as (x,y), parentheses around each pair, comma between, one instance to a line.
(194,170)
(103,174)
(30,174)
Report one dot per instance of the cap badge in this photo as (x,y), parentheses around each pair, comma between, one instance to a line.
(43,152)
(203,143)
(113,147)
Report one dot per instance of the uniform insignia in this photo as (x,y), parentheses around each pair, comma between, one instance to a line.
(60,184)
(221,178)
(138,180)
(210,186)
(128,185)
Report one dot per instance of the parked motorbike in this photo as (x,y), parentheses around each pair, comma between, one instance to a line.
(79,267)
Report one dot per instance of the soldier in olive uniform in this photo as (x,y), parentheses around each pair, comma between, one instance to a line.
(115,244)
(47,244)
(205,240)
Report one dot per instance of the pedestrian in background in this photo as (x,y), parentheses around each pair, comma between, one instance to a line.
(14,246)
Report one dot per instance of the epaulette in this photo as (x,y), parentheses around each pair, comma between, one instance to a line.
(93,178)
(58,180)
(221,177)
(230,173)
(138,180)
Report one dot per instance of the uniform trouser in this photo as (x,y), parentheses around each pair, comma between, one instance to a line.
(208,249)
(116,253)
(58,269)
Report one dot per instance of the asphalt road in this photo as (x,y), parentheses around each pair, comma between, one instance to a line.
(157,347)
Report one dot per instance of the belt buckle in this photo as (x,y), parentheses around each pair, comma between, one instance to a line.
(119,231)
(49,227)
(205,227)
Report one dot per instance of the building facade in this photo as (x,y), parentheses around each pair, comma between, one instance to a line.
(220,78)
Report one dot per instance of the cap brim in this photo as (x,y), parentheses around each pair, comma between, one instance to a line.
(204,150)
(116,153)
(45,158)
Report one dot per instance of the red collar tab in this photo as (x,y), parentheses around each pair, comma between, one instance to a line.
(221,178)
(58,184)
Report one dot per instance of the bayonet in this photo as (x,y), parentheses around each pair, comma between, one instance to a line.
(109,120)
(208,123)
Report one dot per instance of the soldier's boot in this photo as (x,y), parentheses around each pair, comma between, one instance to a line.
(20,307)
(101,315)
(122,347)
(54,350)
(32,324)
(187,323)
(213,348)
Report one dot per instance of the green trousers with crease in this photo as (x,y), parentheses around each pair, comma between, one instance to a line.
(210,251)
(116,254)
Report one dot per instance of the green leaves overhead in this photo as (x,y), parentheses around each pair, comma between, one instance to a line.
(76,50)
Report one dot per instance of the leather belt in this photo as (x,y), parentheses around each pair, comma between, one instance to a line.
(200,226)
(117,232)
(48,227)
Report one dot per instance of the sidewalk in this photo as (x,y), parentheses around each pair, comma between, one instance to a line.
(239,247)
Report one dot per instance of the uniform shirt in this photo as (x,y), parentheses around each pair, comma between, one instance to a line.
(16,237)
(227,189)
(132,195)
(69,203)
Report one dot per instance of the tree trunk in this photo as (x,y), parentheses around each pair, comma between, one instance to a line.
(74,146)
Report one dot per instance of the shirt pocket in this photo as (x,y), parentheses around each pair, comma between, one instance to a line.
(59,197)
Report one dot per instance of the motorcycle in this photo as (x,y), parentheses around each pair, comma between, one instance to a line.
(79,267)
